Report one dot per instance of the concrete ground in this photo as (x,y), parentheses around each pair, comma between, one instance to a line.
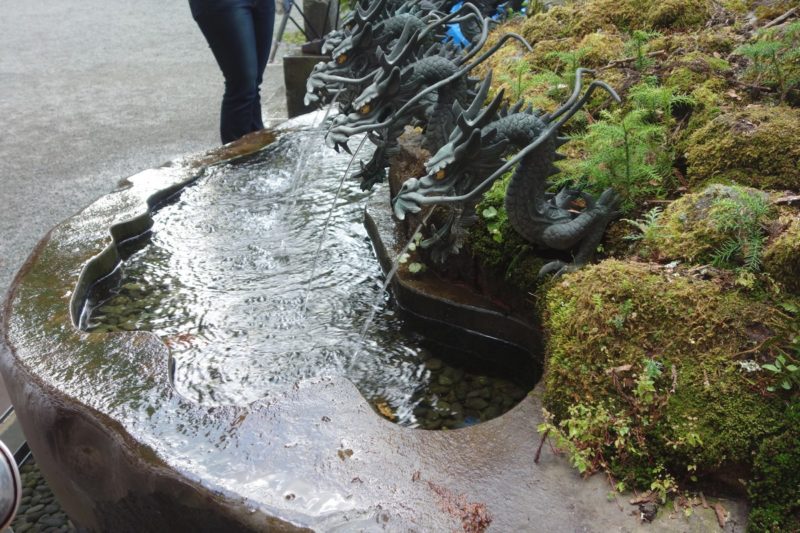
(92,91)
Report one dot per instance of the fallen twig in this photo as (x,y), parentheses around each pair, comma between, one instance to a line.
(703,500)
(620,62)
(721,514)
(539,449)
(778,20)
(787,200)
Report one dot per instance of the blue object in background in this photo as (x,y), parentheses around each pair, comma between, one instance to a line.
(454,34)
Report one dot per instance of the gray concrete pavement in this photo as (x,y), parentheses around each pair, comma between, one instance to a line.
(92,91)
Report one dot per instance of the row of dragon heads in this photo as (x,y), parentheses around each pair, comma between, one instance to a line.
(396,64)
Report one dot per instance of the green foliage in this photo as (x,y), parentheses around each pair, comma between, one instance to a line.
(658,103)
(649,227)
(630,151)
(518,78)
(787,373)
(637,46)
(492,209)
(742,217)
(775,57)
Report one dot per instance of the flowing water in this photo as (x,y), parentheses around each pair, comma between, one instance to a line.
(223,278)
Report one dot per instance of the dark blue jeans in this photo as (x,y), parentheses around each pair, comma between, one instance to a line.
(239,33)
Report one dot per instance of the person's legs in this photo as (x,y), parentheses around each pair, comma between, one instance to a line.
(263,22)
(231,34)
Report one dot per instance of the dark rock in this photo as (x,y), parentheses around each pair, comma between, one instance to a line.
(477,404)
(648,511)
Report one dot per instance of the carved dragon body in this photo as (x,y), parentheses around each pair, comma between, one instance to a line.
(474,158)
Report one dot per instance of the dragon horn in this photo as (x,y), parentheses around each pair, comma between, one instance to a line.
(404,44)
(486,55)
(484,22)
(363,15)
(447,18)
(576,91)
(578,104)
(480,97)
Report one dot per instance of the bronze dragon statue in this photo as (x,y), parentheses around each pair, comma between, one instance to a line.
(408,88)
(473,159)
(354,57)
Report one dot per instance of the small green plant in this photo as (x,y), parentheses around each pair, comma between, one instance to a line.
(638,47)
(492,210)
(775,57)
(785,371)
(742,216)
(650,230)
(645,391)
(519,78)
(628,152)
(658,102)
(567,62)
(625,312)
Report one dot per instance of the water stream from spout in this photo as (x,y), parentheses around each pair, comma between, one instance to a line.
(376,305)
(325,228)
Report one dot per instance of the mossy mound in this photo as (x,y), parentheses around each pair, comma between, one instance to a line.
(758,146)
(775,488)
(696,226)
(659,353)
(782,255)
(576,19)
(696,69)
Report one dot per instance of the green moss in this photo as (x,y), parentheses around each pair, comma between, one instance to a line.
(600,48)
(576,19)
(775,488)
(495,244)
(696,69)
(678,13)
(610,324)
(758,146)
(782,255)
(690,228)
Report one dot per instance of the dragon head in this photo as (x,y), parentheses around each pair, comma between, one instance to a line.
(377,101)
(470,153)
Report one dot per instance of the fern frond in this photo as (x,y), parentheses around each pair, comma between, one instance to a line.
(723,256)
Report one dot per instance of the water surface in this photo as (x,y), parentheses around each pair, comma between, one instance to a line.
(224,274)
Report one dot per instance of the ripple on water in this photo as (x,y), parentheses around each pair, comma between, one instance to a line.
(223,281)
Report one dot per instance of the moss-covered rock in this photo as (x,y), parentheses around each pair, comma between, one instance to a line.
(775,488)
(678,14)
(782,255)
(576,19)
(696,69)
(659,353)
(758,146)
(696,226)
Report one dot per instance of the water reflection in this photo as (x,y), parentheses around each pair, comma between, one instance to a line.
(225,274)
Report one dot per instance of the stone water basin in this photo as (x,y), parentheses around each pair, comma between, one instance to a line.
(128,443)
